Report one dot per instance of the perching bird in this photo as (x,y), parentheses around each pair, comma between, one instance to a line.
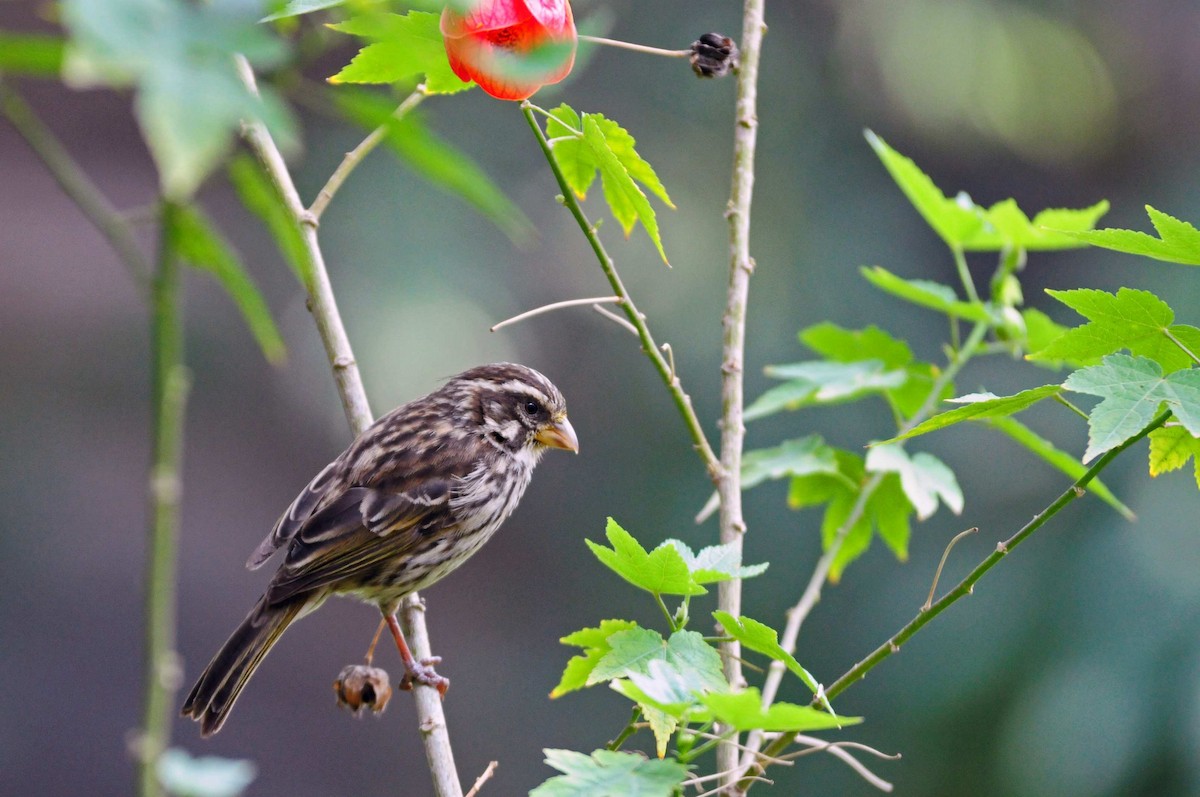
(415,495)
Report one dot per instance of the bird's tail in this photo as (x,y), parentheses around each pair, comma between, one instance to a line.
(214,694)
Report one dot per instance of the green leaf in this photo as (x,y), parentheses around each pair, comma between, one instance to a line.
(403,47)
(436,161)
(662,687)
(1040,332)
(261,198)
(716,562)
(885,512)
(180,58)
(1129,319)
(889,510)
(198,243)
(625,199)
(206,776)
(31,54)
(743,711)
(1133,389)
(962,224)
(295,8)
(663,572)
(823,382)
(1059,459)
(978,406)
(924,478)
(932,295)
(1178,241)
(763,639)
(954,220)
(844,345)
(575,158)
(1006,226)
(790,458)
(607,773)
(632,651)
(594,641)
(1170,449)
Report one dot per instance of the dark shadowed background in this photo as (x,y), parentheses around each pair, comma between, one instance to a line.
(1073,670)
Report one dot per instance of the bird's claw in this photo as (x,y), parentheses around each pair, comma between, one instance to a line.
(422,672)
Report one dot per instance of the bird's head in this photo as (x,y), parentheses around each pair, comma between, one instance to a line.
(518,409)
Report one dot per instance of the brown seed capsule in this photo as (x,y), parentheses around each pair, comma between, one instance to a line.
(714,55)
(359,686)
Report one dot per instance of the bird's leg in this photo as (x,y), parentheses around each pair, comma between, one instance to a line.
(415,672)
(375,641)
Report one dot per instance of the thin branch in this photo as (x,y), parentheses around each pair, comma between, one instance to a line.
(356,155)
(817,745)
(945,555)
(964,273)
(431,718)
(629,729)
(719,789)
(683,401)
(546,308)
(78,186)
(610,315)
(637,48)
(169,392)
(733,430)
(482,779)
(967,585)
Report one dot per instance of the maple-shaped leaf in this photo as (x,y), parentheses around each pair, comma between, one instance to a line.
(594,642)
(924,478)
(662,571)
(1170,449)
(1178,241)
(743,710)
(979,406)
(609,772)
(400,47)
(962,224)
(1133,389)
(1130,319)
(587,144)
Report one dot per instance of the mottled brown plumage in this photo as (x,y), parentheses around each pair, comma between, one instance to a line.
(415,495)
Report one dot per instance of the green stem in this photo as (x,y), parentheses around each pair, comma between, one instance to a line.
(629,729)
(76,185)
(967,585)
(666,612)
(170,388)
(683,401)
(964,274)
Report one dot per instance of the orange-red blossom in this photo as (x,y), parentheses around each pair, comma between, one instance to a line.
(511,48)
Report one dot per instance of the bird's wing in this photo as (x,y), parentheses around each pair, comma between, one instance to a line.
(296,515)
(348,538)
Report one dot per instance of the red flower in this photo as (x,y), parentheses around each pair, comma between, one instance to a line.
(511,48)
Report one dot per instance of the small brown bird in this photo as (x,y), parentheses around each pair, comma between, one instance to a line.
(415,495)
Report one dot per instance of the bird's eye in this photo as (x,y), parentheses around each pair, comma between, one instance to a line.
(532,407)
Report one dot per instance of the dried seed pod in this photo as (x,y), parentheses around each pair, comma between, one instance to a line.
(359,686)
(714,55)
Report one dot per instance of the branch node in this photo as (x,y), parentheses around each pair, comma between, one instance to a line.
(308,219)
(343,362)
(893,647)
(1001,548)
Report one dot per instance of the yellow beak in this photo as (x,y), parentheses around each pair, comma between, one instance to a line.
(559,434)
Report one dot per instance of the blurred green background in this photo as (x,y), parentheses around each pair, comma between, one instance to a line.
(1073,670)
